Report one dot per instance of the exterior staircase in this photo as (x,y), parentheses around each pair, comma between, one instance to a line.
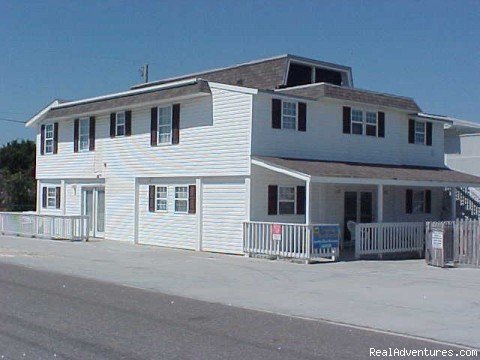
(468,203)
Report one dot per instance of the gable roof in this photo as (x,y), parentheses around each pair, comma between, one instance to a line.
(320,90)
(259,74)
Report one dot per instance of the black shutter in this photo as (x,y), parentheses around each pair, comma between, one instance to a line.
(151,198)
(411,131)
(44,197)
(113,124)
(429,133)
(409,201)
(57,197)
(428,201)
(75,135)
(92,133)
(128,123)
(153,126)
(381,124)
(347,127)
(176,123)
(301,200)
(302,116)
(272,199)
(55,138)
(42,140)
(276,113)
(192,199)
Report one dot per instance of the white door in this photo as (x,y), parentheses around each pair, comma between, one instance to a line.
(94,208)
(223,214)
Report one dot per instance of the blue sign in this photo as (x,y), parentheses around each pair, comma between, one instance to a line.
(325,236)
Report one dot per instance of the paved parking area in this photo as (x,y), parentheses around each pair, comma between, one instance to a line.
(401,296)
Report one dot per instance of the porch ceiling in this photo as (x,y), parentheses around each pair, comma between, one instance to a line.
(363,173)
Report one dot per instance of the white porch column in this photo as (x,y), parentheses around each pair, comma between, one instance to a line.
(453,203)
(308,215)
(379,203)
(198,205)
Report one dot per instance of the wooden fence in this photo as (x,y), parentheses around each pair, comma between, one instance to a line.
(292,241)
(46,226)
(457,243)
(389,238)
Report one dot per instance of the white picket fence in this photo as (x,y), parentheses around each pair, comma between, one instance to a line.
(45,226)
(294,242)
(387,238)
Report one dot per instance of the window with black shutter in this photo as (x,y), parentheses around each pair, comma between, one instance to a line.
(272,199)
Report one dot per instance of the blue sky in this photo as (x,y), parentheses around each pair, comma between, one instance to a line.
(428,50)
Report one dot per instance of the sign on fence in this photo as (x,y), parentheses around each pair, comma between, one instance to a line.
(276,232)
(437,239)
(325,236)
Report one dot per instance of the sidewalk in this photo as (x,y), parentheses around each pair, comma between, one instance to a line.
(401,296)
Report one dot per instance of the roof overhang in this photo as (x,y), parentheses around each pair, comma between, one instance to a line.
(128,99)
(431,117)
(338,172)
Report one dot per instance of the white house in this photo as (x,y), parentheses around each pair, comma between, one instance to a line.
(185,161)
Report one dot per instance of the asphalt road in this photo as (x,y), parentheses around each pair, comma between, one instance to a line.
(50,316)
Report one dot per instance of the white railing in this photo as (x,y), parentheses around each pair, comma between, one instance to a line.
(47,226)
(294,241)
(388,238)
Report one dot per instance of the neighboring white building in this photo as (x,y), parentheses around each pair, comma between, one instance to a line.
(183,162)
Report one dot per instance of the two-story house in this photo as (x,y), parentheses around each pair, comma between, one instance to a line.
(183,162)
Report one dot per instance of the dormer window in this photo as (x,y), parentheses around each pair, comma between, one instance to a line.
(303,74)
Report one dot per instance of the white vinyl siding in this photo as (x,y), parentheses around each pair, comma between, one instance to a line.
(49,135)
(165,125)
(223,213)
(84,134)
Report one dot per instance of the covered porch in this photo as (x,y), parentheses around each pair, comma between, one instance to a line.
(378,208)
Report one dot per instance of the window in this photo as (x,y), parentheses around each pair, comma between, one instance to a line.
(289,115)
(51,197)
(419,132)
(357,122)
(371,123)
(286,200)
(161,198)
(84,134)
(418,202)
(181,199)
(165,125)
(120,124)
(49,134)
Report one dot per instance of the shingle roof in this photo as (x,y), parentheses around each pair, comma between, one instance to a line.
(316,91)
(338,169)
(128,100)
(267,74)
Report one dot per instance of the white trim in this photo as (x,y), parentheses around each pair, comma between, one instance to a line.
(281,170)
(163,198)
(42,112)
(180,199)
(171,125)
(242,89)
(128,92)
(199,212)
(287,201)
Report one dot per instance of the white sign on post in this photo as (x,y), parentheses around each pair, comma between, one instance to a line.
(437,239)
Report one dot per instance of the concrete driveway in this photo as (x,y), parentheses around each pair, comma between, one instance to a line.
(401,296)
